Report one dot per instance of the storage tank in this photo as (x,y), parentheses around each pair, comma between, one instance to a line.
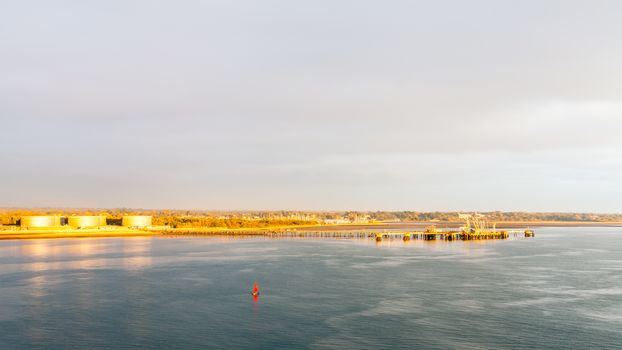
(137,220)
(86,221)
(39,221)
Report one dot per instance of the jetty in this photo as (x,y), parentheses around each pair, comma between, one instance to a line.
(427,235)
(476,227)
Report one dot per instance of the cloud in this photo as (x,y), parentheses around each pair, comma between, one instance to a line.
(315,105)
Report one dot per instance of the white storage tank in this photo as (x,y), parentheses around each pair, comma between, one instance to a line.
(137,220)
(86,221)
(39,221)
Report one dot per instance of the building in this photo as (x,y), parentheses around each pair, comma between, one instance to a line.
(337,221)
(86,221)
(40,221)
(137,221)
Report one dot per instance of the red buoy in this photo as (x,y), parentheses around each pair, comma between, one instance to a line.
(255,291)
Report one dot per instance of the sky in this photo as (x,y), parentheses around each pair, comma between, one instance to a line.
(312,105)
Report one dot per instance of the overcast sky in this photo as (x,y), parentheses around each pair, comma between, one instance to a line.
(330,105)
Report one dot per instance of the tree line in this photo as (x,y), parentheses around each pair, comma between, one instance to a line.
(243,219)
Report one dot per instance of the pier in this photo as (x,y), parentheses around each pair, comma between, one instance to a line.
(427,235)
(476,227)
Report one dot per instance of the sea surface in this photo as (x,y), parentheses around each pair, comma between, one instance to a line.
(559,290)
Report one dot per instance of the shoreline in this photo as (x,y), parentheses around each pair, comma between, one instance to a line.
(210,231)
(52,234)
(454,224)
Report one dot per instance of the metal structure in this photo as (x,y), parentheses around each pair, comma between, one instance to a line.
(39,221)
(137,221)
(86,221)
(476,223)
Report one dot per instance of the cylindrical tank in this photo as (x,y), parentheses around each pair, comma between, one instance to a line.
(85,221)
(137,220)
(39,221)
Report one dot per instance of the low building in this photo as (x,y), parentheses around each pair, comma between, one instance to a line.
(337,221)
(137,221)
(86,221)
(40,221)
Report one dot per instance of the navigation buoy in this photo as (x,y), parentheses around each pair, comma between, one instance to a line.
(255,291)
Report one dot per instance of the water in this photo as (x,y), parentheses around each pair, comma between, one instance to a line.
(560,290)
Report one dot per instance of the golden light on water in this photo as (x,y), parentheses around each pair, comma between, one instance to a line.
(138,253)
(83,253)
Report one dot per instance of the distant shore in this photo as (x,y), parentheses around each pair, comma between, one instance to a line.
(453,224)
(171,232)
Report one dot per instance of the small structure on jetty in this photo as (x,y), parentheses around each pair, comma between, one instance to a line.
(474,223)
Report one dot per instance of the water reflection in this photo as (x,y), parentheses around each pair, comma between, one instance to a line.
(37,286)
(44,255)
(71,265)
(137,253)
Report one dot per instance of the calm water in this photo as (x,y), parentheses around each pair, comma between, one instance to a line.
(561,290)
